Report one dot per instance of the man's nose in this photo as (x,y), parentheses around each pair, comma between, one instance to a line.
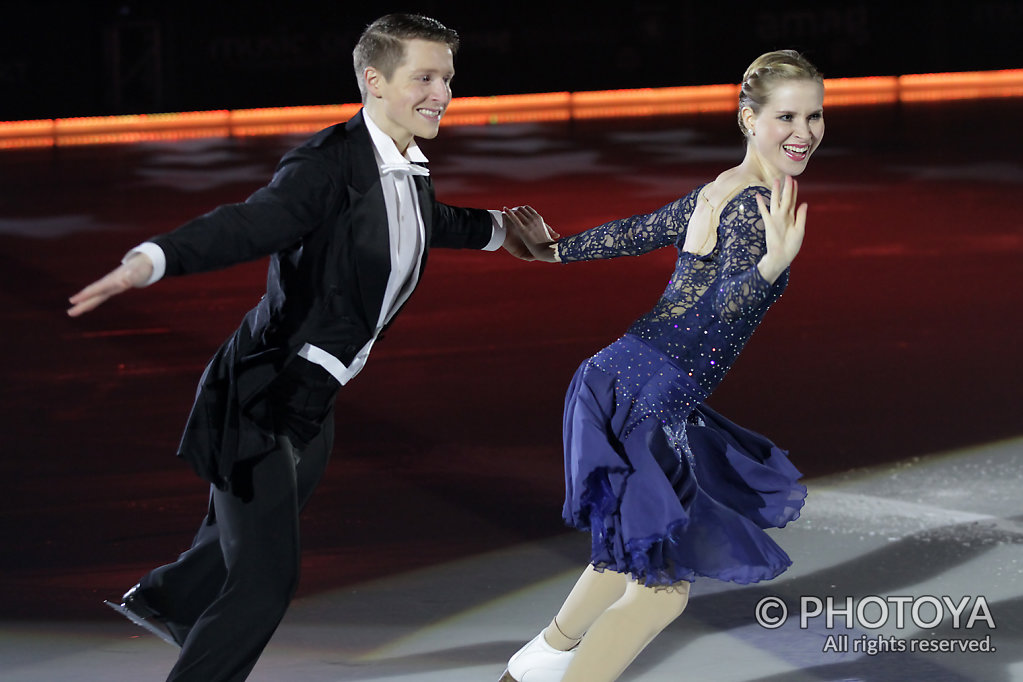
(441,91)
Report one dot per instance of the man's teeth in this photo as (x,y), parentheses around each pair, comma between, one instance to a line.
(434,113)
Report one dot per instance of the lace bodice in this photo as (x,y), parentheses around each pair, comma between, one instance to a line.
(712,303)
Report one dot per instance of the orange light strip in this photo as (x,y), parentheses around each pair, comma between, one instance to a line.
(861,91)
(140,122)
(654,101)
(548,106)
(965,85)
(552,106)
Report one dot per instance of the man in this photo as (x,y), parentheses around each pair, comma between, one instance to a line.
(348,219)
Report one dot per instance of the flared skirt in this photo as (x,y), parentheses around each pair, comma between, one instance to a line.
(669,489)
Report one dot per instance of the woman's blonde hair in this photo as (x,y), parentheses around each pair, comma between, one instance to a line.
(764,73)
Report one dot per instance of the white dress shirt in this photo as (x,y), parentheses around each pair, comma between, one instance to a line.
(406,233)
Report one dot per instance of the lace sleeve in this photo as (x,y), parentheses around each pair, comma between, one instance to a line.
(742,287)
(629,236)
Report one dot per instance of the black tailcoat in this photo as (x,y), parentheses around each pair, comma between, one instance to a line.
(323,222)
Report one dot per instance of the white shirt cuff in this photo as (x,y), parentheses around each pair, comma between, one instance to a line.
(156,255)
(497,240)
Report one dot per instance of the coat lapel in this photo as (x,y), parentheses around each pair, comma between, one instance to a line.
(369,220)
(370,240)
(424,192)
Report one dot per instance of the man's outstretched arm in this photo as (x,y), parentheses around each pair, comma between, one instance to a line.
(134,272)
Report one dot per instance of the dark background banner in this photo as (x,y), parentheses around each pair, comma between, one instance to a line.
(60,58)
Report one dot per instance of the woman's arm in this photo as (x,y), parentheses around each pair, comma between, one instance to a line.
(626,237)
(758,247)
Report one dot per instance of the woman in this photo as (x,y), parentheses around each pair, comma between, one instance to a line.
(669,489)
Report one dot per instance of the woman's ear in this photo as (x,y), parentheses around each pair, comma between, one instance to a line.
(749,119)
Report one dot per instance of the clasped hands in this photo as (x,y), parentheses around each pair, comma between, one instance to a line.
(529,236)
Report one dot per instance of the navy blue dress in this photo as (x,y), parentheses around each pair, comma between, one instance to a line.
(669,489)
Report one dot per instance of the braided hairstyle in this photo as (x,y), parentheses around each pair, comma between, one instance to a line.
(764,73)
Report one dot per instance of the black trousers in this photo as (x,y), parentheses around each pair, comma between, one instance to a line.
(227,594)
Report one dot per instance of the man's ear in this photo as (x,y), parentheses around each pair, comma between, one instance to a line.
(374,80)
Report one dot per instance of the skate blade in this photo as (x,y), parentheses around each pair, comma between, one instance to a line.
(143,623)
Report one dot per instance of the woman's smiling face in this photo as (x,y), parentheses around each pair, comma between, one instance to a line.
(789,127)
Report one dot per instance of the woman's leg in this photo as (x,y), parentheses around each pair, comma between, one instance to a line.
(546,656)
(593,593)
(623,630)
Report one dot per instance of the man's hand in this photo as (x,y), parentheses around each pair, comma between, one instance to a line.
(514,245)
(530,228)
(134,272)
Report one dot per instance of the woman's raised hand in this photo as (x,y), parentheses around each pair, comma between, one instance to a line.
(784,226)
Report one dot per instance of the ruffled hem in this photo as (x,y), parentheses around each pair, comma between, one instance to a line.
(663,515)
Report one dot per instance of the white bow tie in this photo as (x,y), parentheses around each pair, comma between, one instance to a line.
(403,169)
